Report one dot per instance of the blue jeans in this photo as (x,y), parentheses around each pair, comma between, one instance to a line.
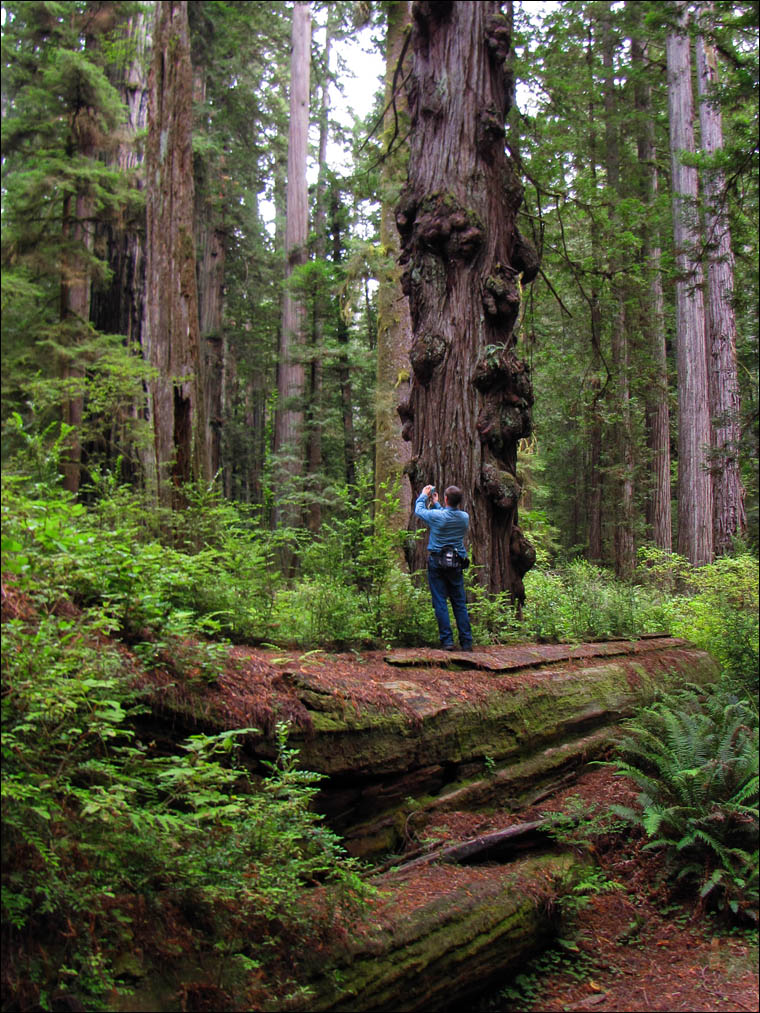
(449,584)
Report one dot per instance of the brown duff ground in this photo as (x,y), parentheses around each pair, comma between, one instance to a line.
(638,948)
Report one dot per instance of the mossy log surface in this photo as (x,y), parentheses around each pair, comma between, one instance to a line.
(426,724)
(440,936)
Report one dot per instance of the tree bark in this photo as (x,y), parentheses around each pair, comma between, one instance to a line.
(652,314)
(471,397)
(729,518)
(77,233)
(314,420)
(594,484)
(172,333)
(289,422)
(394,328)
(344,370)
(210,266)
(695,535)
(625,548)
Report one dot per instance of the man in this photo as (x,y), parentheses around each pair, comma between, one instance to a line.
(448,525)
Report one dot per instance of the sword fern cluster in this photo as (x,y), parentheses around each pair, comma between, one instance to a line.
(694,758)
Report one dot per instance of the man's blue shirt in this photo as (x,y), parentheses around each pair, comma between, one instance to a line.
(447,525)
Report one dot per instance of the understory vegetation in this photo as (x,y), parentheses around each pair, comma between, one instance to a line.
(110,836)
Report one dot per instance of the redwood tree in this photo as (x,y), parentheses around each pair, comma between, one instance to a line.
(729,519)
(173,338)
(291,382)
(695,535)
(393,324)
(470,399)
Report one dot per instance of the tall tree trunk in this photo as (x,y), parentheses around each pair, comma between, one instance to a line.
(75,316)
(394,328)
(210,264)
(471,397)
(729,518)
(695,535)
(172,332)
(652,314)
(119,308)
(289,427)
(344,368)
(314,423)
(594,484)
(624,520)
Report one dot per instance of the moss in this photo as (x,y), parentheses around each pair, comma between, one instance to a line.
(500,486)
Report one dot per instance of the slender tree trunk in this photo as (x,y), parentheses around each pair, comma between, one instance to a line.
(289,423)
(394,328)
(210,266)
(344,368)
(75,316)
(172,336)
(594,484)
(695,535)
(652,315)
(471,396)
(625,549)
(314,427)
(729,518)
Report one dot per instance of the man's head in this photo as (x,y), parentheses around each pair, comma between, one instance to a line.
(453,497)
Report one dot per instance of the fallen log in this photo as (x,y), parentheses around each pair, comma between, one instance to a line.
(441,936)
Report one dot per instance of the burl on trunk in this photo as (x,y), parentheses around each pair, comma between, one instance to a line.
(464,266)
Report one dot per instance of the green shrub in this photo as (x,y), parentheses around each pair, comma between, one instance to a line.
(694,758)
(584,602)
(323,611)
(99,825)
(722,617)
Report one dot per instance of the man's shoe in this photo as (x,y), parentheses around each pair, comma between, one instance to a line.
(448,647)
(467,648)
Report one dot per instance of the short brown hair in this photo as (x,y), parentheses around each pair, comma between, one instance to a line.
(454,496)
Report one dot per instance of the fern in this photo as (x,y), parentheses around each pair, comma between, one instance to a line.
(694,759)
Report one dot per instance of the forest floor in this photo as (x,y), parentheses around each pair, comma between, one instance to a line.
(636,948)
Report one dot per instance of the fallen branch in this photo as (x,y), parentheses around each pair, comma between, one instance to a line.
(492,847)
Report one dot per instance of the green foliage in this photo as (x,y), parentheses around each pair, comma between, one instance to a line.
(103,829)
(694,759)
(716,609)
(584,602)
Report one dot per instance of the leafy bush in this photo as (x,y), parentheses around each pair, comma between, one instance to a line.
(103,830)
(694,758)
(723,618)
(585,602)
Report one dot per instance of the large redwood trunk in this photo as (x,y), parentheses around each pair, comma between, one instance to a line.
(695,536)
(729,518)
(471,397)
(289,423)
(652,311)
(172,340)
(394,328)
